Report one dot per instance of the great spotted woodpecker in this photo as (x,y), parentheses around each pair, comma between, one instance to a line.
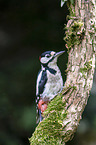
(49,81)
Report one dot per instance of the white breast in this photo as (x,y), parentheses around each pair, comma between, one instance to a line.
(53,86)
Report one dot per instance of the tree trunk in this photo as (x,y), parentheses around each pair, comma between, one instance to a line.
(64,112)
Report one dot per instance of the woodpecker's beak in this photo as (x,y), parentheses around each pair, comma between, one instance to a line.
(59,53)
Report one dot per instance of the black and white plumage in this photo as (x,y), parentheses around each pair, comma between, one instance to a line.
(49,80)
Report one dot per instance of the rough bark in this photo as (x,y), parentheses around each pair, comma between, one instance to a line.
(64,112)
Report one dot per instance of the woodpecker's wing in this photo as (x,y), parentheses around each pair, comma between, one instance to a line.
(41,81)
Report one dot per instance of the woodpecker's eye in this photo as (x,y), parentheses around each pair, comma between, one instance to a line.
(47,55)
(52,53)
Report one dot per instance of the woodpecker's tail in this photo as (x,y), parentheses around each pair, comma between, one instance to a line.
(39,117)
(38,112)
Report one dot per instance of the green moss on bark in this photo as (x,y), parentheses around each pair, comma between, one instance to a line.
(74,33)
(49,131)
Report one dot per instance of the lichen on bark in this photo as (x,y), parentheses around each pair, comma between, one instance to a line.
(64,112)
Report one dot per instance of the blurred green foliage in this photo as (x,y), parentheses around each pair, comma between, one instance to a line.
(28,28)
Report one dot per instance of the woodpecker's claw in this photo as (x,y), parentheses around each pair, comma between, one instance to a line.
(42,105)
(43,108)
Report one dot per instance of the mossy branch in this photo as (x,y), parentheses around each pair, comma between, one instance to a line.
(64,112)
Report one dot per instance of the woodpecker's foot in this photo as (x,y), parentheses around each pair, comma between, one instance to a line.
(42,105)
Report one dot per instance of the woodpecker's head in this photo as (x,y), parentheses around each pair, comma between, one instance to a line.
(49,57)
